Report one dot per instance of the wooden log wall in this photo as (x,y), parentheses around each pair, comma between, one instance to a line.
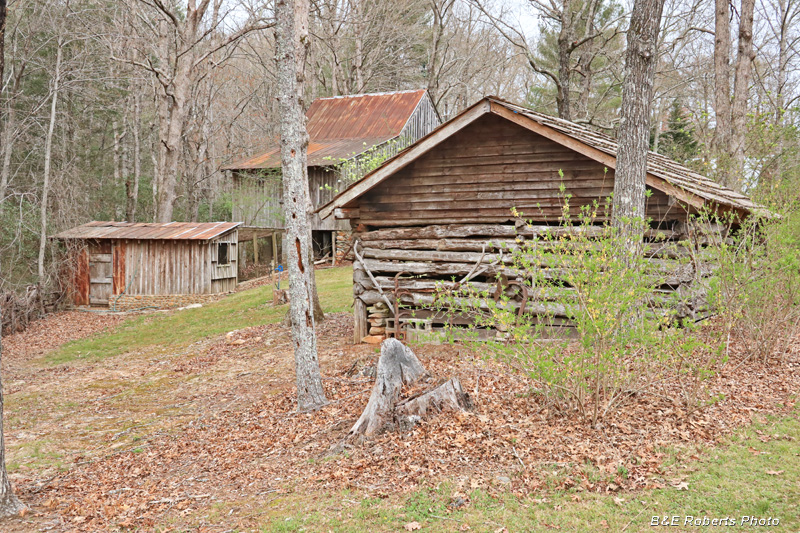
(436,255)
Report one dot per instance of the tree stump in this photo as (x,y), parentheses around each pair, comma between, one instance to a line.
(398,366)
(279,297)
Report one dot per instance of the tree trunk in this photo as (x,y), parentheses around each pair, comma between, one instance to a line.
(292,44)
(132,185)
(9,503)
(566,38)
(634,131)
(48,152)
(741,86)
(398,367)
(722,89)
(3,11)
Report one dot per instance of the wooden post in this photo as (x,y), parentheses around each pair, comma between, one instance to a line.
(274,247)
(333,247)
(255,249)
(360,321)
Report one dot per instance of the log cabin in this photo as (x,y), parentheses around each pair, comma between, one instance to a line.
(347,134)
(443,205)
(125,266)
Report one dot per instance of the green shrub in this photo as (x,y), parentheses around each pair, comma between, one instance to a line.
(756,289)
(579,280)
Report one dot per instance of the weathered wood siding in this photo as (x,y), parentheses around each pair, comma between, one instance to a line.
(154,267)
(480,173)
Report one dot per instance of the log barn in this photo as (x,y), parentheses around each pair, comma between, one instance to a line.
(346,135)
(123,265)
(442,207)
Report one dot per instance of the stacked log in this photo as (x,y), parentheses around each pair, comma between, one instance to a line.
(408,265)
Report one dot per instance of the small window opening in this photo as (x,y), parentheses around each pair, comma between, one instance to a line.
(223,253)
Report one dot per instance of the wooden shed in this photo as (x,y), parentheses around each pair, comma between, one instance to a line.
(346,134)
(126,265)
(443,206)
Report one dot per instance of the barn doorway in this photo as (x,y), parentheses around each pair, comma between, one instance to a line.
(101,273)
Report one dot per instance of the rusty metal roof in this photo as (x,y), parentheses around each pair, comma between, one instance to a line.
(174,231)
(342,127)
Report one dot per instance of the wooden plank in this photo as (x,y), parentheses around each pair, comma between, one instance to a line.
(435,256)
(489,182)
(472,230)
(508,198)
(361,326)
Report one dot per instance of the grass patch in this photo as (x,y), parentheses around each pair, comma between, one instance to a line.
(240,310)
(746,477)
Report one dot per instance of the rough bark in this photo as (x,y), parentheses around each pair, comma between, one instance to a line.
(132,182)
(48,151)
(566,41)
(6,136)
(741,86)
(634,131)
(9,503)
(292,42)
(722,83)
(398,367)
(3,10)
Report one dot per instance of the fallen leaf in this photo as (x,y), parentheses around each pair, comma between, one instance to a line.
(682,486)
(774,472)
(413,526)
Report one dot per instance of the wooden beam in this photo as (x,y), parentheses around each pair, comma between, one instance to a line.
(361,326)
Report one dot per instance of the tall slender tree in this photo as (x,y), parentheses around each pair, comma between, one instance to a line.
(292,46)
(9,503)
(634,129)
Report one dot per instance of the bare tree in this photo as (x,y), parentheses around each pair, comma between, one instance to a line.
(579,33)
(292,46)
(9,503)
(634,129)
(176,49)
(731,111)
(741,88)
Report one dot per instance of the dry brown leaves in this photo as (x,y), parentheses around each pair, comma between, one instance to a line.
(56,329)
(510,443)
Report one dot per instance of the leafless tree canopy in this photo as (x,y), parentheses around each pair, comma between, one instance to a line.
(126,110)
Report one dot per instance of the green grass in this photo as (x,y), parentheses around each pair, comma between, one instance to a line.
(240,310)
(729,481)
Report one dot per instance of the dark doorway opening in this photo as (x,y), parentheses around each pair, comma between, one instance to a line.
(322,243)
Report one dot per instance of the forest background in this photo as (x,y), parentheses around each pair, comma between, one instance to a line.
(127,110)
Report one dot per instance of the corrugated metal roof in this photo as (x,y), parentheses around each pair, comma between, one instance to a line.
(195,231)
(320,153)
(657,164)
(342,127)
